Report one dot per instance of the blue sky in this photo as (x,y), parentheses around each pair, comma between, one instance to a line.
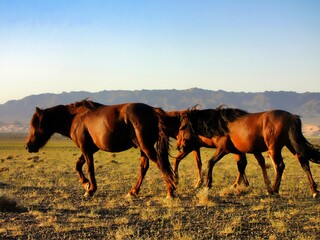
(252,46)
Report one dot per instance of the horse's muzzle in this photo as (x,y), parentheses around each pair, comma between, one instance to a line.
(31,149)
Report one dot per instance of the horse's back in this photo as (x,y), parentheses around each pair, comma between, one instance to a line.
(126,113)
(121,112)
(260,119)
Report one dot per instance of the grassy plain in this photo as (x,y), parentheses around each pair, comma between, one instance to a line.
(41,198)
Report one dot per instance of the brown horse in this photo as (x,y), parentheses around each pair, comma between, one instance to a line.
(252,133)
(172,123)
(93,126)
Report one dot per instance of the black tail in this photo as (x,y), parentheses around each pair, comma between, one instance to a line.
(300,143)
(163,151)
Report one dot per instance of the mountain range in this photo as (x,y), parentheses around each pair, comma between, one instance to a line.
(16,114)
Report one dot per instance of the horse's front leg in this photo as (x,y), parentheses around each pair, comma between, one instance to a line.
(91,186)
(176,163)
(197,158)
(83,180)
(144,166)
(217,156)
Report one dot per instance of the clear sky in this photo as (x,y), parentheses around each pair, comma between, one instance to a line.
(51,46)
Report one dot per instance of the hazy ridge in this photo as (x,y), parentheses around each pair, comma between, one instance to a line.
(17,113)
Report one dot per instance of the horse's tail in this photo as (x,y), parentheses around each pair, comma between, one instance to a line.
(300,143)
(162,146)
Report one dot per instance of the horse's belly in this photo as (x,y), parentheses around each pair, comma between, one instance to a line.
(250,145)
(251,149)
(114,144)
(116,148)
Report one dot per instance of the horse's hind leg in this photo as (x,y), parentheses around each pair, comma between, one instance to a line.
(83,180)
(306,167)
(279,168)
(242,164)
(144,166)
(151,154)
(262,164)
(91,186)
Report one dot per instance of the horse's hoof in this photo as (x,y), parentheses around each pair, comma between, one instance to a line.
(88,194)
(198,184)
(86,186)
(316,195)
(131,194)
(170,196)
(270,190)
(235,185)
(274,194)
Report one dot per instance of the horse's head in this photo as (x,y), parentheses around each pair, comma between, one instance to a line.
(187,135)
(39,133)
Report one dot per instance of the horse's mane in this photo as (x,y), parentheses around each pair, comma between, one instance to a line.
(87,103)
(214,122)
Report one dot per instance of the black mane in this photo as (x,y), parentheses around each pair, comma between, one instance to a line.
(213,122)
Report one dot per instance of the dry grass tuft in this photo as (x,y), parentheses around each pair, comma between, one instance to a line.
(233,227)
(183,237)
(235,191)
(124,232)
(203,198)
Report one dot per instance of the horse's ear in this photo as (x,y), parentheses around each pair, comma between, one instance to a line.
(195,107)
(38,110)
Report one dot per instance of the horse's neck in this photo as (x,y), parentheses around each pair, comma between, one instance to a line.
(61,121)
(210,124)
(172,123)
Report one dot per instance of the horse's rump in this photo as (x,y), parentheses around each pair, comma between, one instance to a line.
(149,128)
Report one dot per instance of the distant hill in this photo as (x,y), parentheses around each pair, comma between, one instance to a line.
(307,105)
